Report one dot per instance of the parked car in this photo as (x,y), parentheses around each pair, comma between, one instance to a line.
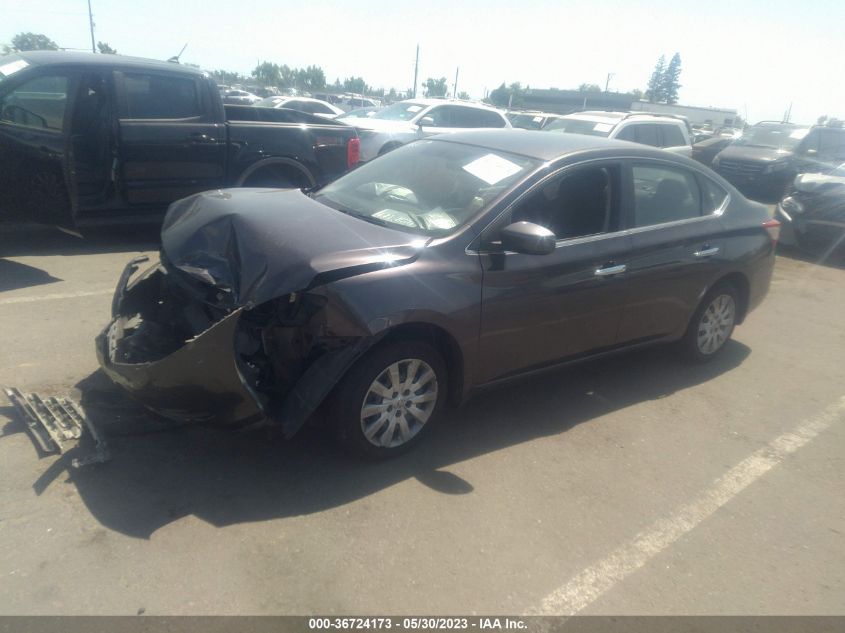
(352,102)
(359,113)
(409,120)
(666,131)
(705,151)
(531,120)
(303,104)
(239,97)
(87,139)
(813,213)
(395,289)
(762,162)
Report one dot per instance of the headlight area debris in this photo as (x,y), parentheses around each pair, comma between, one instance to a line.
(57,425)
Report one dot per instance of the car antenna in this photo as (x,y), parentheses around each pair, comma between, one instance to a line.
(175,58)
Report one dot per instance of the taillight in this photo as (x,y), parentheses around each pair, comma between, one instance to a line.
(353,152)
(773,229)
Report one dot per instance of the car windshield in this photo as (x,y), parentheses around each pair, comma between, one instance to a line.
(775,137)
(404,111)
(527,121)
(579,126)
(428,187)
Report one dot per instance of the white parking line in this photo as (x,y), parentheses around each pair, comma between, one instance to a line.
(594,581)
(66,295)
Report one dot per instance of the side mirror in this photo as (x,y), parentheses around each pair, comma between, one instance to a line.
(426,121)
(528,238)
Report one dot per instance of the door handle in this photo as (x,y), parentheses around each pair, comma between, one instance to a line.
(199,137)
(610,270)
(707,252)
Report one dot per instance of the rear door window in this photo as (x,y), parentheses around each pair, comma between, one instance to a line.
(38,103)
(672,136)
(648,134)
(153,96)
(664,194)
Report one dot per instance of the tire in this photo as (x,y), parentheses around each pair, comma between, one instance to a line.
(712,324)
(389,426)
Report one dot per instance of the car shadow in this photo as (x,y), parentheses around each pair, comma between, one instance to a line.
(160,473)
(832,256)
(28,240)
(14,275)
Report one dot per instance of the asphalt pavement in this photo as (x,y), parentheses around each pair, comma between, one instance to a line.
(634,485)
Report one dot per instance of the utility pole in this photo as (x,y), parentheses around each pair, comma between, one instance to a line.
(416,69)
(455,93)
(788,114)
(91,24)
(607,83)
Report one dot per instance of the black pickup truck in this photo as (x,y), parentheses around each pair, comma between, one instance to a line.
(93,139)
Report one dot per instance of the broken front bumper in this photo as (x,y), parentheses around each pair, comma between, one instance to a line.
(175,354)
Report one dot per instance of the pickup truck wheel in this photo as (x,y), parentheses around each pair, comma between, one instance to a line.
(389,399)
(277,177)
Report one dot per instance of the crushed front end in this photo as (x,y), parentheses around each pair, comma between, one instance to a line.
(173,349)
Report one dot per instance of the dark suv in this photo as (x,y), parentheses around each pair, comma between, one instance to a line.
(768,156)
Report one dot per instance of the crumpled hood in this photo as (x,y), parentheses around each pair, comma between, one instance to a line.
(751,153)
(259,244)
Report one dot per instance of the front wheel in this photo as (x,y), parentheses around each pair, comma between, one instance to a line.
(389,398)
(712,324)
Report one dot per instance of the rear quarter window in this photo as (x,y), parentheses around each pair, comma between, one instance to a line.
(160,97)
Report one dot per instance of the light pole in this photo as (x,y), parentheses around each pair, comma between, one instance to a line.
(91,24)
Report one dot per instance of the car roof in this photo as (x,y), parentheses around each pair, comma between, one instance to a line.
(44,58)
(547,146)
(458,102)
(613,118)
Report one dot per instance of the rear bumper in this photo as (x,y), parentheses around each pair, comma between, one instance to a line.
(195,379)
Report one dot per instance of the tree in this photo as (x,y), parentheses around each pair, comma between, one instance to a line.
(670,82)
(30,42)
(589,88)
(267,74)
(435,87)
(227,77)
(464,96)
(636,93)
(310,78)
(356,85)
(654,91)
(105,49)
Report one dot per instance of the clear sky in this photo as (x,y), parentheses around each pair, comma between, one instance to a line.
(757,56)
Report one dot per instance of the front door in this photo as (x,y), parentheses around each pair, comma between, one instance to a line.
(169,144)
(541,309)
(34,116)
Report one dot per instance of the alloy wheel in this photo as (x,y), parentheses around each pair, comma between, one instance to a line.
(716,324)
(398,403)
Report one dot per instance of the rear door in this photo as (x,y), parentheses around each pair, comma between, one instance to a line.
(34,120)
(677,244)
(170,146)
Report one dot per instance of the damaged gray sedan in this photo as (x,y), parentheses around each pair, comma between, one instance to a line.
(448,265)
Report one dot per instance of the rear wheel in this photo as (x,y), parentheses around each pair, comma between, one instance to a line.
(389,398)
(712,324)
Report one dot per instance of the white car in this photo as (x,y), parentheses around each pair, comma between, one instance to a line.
(409,120)
(303,104)
(658,130)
